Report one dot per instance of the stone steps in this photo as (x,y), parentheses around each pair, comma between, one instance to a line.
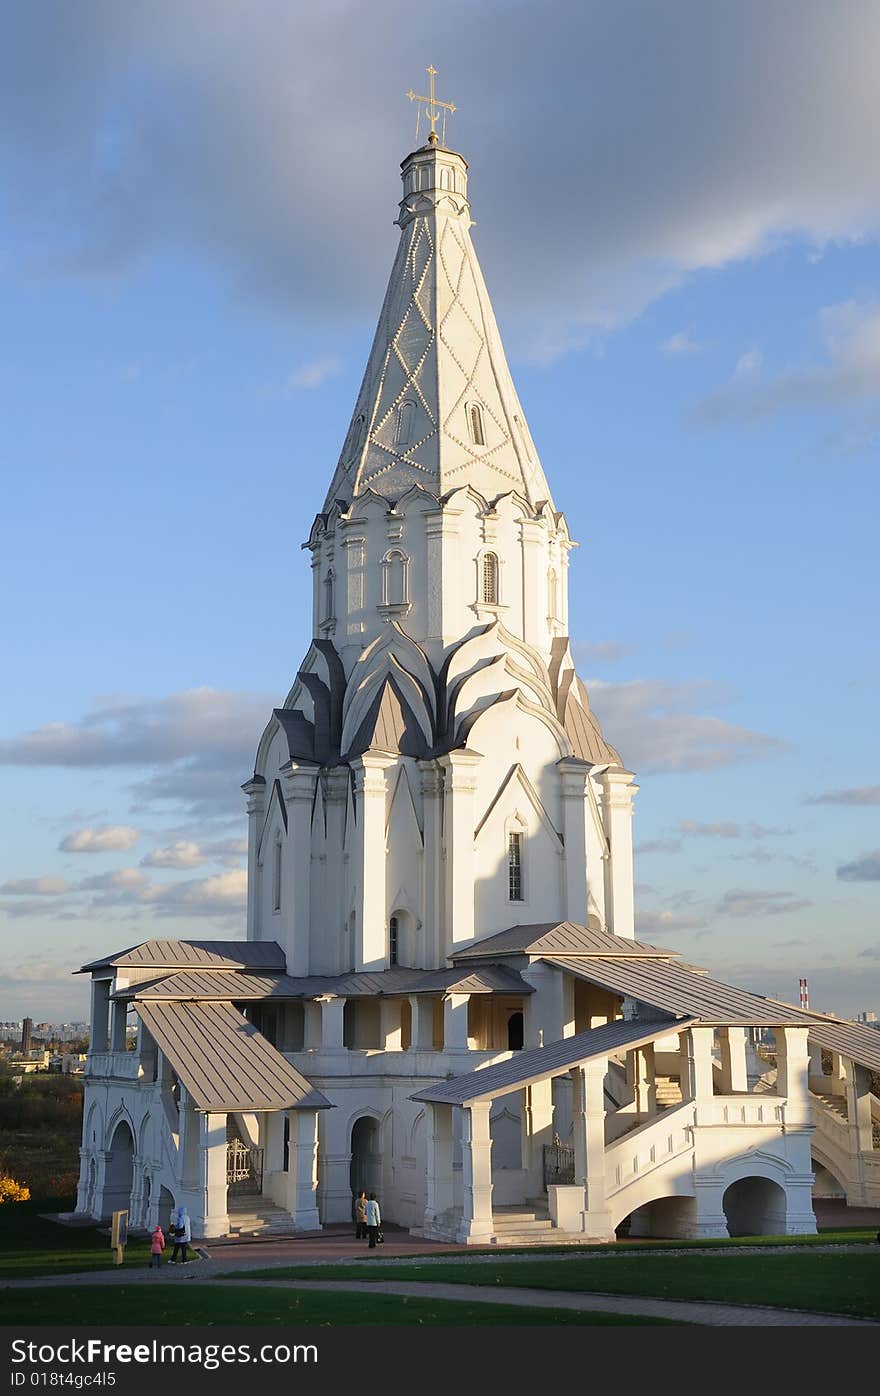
(256,1216)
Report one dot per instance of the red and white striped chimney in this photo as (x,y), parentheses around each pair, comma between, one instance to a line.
(804,993)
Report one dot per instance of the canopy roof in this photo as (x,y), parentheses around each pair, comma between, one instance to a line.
(482,979)
(559,938)
(201,954)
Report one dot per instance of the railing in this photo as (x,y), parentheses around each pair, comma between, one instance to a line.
(739,1110)
(123,1066)
(244,1168)
(649,1146)
(558,1164)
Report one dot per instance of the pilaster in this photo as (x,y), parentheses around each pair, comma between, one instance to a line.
(298,789)
(574,823)
(588,1091)
(371,947)
(213,1145)
(255,790)
(460,769)
(476,1173)
(618,791)
(433,936)
(303,1168)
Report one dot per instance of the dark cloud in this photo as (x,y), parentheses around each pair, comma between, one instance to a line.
(654,726)
(651,141)
(856,795)
(863,869)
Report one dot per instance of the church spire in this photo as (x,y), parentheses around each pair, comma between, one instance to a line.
(437,406)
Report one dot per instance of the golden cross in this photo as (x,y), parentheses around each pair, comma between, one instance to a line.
(434,108)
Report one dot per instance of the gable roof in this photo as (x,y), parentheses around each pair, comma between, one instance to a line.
(559,938)
(537,1063)
(206,986)
(855,1040)
(202,954)
(224,1062)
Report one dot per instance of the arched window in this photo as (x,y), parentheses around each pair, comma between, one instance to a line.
(489,579)
(475,424)
(393,940)
(515,1032)
(405,414)
(328,595)
(395,578)
(356,435)
(276,875)
(552,596)
(514,867)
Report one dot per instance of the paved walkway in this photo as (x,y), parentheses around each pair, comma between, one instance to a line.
(683,1311)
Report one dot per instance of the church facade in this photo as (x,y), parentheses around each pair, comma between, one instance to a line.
(439,997)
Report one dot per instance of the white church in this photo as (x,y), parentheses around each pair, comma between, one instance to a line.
(440,997)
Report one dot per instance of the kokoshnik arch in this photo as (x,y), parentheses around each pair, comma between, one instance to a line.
(440,997)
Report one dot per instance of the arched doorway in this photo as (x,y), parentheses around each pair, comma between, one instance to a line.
(166,1207)
(515,1029)
(366,1159)
(118,1178)
(755,1207)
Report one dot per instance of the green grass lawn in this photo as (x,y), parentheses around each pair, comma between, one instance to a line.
(837,1283)
(31,1246)
(221,1305)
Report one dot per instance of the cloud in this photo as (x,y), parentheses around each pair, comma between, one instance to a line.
(851,371)
(728,830)
(223,895)
(110,838)
(680,343)
(863,869)
(607,652)
(199,745)
(649,922)
(659,846)
(35,887)
(652,723)
(738,902)
(856,795)
(122,880)
(702,142)
(871,952)
(315,373)
(183,854)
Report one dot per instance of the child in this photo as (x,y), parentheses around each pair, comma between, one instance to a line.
(157,1246)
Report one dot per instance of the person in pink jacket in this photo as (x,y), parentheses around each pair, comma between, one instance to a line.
(157,1246)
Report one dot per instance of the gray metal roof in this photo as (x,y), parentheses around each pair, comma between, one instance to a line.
(666,985)
(551,1060)
(558,938)
(192,984)
(196,954)
(224,1062)
(853,1040)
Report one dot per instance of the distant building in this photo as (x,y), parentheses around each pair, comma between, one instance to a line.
(27,1034)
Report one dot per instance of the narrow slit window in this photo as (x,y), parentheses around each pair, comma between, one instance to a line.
(276,877)
(489,581)
(552,597)
(475,421)
(395,581)
(328,596)
(393,940)
(405,414)
(514,867)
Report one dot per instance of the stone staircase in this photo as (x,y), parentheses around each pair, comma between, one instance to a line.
(668,1093)
(835,1105)
(252,1215)
(527,1224)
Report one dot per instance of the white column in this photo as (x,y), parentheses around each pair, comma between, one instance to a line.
(313,1038)
(100,1018)
(534,584)
(255,790)
(858,1107)
(697,1081)
(733,1060)
(213,1143)
(455,1022)
(332,1018)
(422,1036)
(303,1169)
(433,938)
(82,1187)
(390,1025)
(793,1075)
(574,826)
(459,821)
(549,1010)
(336,788)
(618,790)
(644,1080)
(191,1140)
(538,1125)
(371,949)
(118,1025)
(476,1173)
(439,1200)
(588,1082)
(298,789)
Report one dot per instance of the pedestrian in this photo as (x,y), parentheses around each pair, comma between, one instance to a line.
(360,1217)
(374,1220)
(181,1230)
(157,1246)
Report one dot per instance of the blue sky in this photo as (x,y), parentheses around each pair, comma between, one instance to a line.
(677,216)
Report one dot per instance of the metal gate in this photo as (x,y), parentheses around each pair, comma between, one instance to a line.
(558,1164)
(244,1168)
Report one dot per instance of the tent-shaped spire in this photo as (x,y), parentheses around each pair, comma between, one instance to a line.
(437,406)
